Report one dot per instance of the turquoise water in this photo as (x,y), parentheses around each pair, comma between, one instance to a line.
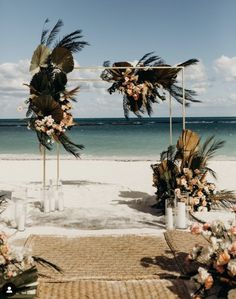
(116,138)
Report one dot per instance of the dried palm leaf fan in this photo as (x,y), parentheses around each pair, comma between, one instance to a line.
(49,101)
(143,87)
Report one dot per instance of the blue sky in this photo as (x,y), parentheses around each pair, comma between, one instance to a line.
(125,30)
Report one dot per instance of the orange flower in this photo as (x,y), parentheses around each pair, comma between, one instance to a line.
(223,258)
(209,282)
(206,226)
(196,228)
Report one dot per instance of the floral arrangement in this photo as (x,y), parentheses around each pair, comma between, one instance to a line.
(218,259)
(49,103)
(200,191)
(184,168)
(15,266)
(19,267)
(143,87)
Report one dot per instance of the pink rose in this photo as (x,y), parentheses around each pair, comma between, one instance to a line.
(196,228)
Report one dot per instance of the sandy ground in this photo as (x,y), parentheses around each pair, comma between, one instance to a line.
(100,197)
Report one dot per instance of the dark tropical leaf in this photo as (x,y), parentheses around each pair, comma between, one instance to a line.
(62,59)
(107,63)
(59,83)
(71,43)
(40,58)
(189,62)
(69,94)
(70,146)
(54,32)
(44,33)
(44,140)
(45,106)
(46,263)
(40,84)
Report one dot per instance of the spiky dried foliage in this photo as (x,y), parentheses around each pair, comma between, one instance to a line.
(143,87)
(48,94)
(185,166)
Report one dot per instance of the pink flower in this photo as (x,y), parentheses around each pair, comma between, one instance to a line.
(10,274)
(206,226)
(196,228)
(233,230)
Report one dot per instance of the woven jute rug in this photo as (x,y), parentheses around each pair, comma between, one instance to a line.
(129,289)
(104,257)
(181,244)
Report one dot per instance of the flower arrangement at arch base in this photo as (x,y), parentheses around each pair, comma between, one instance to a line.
(18,268)
(218,260)
(184,168)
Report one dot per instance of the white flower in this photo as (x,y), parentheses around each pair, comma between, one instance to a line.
(232,294)
(214,242)
(207,252)
(203,274)
(232,267)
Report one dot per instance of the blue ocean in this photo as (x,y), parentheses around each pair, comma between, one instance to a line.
(118,138)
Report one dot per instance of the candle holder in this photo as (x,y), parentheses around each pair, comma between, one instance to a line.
(182,211)
(170,209)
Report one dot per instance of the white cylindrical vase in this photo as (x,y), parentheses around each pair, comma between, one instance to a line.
(181,221)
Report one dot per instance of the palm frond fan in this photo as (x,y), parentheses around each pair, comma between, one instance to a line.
(49,103)
(143,87)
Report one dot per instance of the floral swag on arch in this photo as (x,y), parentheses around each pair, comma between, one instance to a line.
(49,103)
(145,86)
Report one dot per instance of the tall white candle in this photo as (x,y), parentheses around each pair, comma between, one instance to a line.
(21,222)
(60,202)
(169,218)
(52,201)
(19,210)
(181,215)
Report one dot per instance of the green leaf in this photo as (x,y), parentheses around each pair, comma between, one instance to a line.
(39,58)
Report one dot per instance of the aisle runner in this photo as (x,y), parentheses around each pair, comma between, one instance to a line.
(107,267)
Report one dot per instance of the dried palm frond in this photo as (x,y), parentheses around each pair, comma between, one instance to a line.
(40,58)
(224,199)
(62,59)
(69,94)
(45,106)
(188,143)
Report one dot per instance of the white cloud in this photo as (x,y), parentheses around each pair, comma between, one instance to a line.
(196,72)
(226,67)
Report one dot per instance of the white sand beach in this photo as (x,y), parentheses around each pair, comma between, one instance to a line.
(100,197)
